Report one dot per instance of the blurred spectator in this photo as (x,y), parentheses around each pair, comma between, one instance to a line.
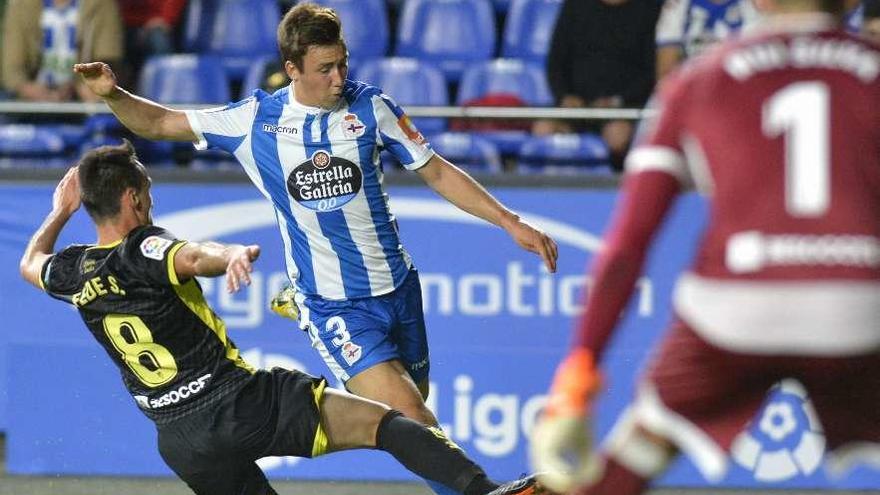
(852,16)
(149,28)
(687,27)
(42,41)
(3,94)
(871,20)
(274,78)
(602,55)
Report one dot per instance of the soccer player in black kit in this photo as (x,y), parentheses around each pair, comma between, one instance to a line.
(215,415)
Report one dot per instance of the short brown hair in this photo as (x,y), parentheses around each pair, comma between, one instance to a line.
(305,25)
(104,174)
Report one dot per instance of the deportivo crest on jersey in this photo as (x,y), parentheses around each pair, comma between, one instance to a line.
(352,127)
(154,247)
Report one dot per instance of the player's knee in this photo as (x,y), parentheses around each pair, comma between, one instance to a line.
(417,411)
(641,451)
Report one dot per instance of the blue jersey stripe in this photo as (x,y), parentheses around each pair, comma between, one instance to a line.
(397,149)
(264,146)
(386,230)
(355,280)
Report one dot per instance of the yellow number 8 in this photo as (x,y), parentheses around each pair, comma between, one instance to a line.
(153,364)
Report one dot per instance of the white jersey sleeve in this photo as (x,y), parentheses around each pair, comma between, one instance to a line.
(671,24)
(397,134)
(223,127)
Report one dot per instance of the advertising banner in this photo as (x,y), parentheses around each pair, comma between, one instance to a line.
(497,324)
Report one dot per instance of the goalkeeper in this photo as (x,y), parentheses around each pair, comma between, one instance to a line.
(786,280)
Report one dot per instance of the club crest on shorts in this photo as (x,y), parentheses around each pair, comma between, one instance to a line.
(351,352)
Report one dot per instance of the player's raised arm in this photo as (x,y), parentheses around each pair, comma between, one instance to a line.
(65,202)
(211,259)
(145,118)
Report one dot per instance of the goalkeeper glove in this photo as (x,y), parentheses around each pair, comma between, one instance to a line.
(561,446)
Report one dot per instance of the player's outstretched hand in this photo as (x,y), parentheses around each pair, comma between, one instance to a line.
(66,199)
(98,77)
(240,266)
(534,240)
(561,445)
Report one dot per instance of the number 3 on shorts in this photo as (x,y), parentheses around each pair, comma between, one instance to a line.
(336,325)
(150,362)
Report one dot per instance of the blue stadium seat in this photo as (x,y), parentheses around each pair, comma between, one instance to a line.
(505,76)
(256,75)
(529,29)
(27,140)
(242,31)
(364,26)
(502,6)
(71,134)
(199,25)
(504,79)
(409,82)
(452,34)
(564,154)
(464,149)
(184,79)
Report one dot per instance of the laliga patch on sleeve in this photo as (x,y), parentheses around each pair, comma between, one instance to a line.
(409,129)
(154,247)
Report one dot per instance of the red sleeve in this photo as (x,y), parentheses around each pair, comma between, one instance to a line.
(656,170)
(645,199)
(171,10)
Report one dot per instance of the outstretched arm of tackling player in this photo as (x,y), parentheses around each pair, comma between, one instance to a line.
(212,259)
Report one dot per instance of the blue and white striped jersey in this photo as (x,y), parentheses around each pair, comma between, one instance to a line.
(320,169)
(696,25)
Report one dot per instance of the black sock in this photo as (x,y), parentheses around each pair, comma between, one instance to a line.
(427,452)
(479,485)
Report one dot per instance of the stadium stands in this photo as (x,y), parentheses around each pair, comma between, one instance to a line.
(185,79)
(503,82)
(564,154)
(529,29)
(452,34)
(243,30)
(421,52)
(523,80)
(410,82)
(468,151)
(365,27)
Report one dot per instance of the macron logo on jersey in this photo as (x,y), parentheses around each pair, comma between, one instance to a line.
(280,128)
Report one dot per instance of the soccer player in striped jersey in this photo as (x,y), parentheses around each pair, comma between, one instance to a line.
(312,149)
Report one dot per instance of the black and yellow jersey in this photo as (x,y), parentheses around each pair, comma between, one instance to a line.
(172,350)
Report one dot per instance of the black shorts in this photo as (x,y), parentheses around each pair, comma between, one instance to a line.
(275,413)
